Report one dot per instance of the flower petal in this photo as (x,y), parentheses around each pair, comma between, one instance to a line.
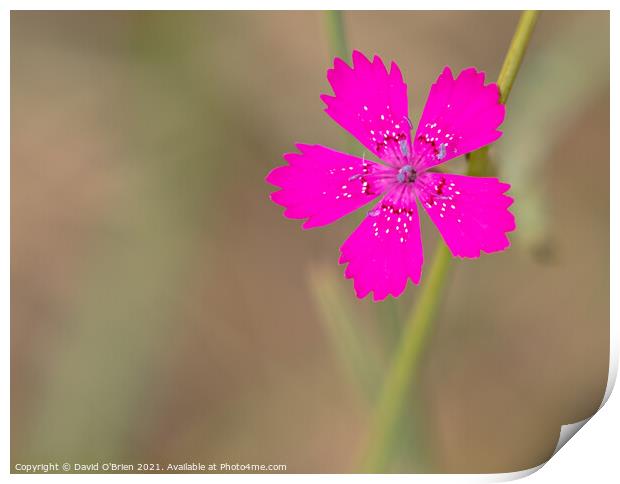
(386,249)
(460,116)
(371,104)
(323,185)
(470,212)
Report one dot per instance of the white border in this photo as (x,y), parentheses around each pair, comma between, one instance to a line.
(591,456)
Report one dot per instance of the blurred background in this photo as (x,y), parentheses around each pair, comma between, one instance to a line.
(163,310)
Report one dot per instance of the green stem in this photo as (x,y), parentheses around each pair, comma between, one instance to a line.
(336,34)
(479,160)
(397,382)
(516,51)
(417,329)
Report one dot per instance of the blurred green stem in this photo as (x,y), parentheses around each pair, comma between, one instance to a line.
(335,30)
(415,333)
(334,24)
(398,379)
(342,326)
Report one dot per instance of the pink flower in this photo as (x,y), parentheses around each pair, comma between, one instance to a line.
(323,185)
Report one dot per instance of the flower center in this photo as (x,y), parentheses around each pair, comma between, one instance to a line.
(406,174)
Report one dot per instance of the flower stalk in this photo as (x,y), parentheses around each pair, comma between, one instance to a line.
(338,47)
(336,34)
(407,357)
